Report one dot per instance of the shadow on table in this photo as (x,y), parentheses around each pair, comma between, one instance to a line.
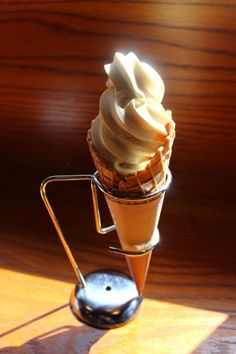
(64,339)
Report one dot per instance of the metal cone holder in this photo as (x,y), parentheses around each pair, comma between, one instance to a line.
(105,298)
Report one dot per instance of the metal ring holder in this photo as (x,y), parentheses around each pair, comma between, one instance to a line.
(107,298)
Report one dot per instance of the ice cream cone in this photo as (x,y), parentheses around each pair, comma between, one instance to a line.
(136,220)
(131,142)
(136,225)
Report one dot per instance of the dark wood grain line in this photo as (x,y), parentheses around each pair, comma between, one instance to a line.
(86,73)
(226,327)
(230,311)
(188,296)
(208,284)
(179,3)
(71,57)
(224,341)
(200,80)
(112,21)
(185,113)
(209,107)
(20,88)
(203,95)
(208,123)
(188,264)
(66,29)
(200,67)
(46,68)
(189,273)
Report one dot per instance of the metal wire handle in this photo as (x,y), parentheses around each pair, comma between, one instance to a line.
(100,229)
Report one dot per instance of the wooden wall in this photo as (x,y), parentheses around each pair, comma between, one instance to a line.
(51,76)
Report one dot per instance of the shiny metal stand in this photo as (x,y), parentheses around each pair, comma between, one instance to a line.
(104,298)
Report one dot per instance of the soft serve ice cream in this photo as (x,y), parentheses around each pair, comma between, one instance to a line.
(132,125)
(131,141)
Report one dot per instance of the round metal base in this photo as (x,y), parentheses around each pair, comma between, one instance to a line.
(109,300)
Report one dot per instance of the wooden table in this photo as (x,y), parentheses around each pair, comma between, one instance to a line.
(189,304)
(51,76)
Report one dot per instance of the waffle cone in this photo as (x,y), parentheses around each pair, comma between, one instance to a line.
(140,182)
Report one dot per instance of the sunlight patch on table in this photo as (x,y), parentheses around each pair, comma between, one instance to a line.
(163,328)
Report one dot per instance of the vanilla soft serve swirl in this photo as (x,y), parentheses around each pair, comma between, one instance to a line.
(131,124)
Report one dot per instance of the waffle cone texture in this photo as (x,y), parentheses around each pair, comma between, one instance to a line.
(141,182)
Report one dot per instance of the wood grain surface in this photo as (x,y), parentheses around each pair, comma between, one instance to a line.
(188,308)
(51,76)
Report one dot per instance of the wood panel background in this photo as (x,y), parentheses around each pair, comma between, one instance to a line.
(51,77)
